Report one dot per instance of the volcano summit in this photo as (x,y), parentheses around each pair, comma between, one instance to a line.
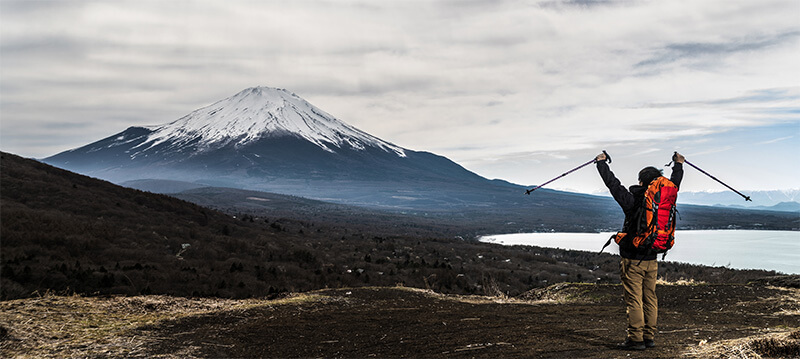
(255,114)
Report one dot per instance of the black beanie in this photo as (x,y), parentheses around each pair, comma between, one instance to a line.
(648,174)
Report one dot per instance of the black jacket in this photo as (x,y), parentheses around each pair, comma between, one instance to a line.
(631,200)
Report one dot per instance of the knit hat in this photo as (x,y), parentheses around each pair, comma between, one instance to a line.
(648,174)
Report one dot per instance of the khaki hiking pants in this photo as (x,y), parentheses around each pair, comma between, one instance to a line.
(639,282)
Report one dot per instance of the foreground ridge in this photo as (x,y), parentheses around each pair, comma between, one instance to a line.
(400,322)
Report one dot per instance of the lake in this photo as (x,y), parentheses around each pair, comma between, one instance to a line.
(739,249)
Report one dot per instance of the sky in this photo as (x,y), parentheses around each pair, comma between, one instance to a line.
(516,90)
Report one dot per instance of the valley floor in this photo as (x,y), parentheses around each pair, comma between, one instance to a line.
(562,321)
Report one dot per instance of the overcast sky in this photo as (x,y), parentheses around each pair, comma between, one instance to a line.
(518,90)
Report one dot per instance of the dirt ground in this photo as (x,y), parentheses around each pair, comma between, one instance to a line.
(563,321)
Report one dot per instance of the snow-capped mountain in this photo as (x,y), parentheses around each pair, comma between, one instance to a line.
(256,113)
(266,139)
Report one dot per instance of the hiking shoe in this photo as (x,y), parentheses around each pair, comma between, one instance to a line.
(631,345)
(649,343)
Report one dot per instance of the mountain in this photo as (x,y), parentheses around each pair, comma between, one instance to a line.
(786,206)
(781,207)
(270,139)
(761,199)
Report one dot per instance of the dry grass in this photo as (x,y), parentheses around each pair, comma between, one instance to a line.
(480,299)
(463,298)
(788,303)
(74,326)
(680,281)
(782,344)
(772,345)
(561,293)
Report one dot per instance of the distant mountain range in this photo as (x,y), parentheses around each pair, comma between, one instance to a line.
(783,200)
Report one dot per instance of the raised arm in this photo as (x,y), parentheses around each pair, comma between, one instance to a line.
(618,191)
(677,169)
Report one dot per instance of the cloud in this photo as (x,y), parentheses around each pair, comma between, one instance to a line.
(478,81)
(775,140)
(768,96)
(712,51)
(561,4)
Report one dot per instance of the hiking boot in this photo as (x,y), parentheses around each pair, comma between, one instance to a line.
(631,345)
(649,343)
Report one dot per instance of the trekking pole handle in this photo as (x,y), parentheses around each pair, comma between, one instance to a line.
(608,157)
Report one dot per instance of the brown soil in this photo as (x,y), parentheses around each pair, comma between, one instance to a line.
(563,321)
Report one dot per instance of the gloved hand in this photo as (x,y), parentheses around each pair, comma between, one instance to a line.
(677,157)
(600,158)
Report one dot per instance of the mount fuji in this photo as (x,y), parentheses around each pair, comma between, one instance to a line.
(255,114)
(272,140)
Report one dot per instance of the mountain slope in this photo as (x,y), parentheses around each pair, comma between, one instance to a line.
(64,232)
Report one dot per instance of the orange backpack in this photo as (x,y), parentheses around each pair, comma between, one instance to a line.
(653,230)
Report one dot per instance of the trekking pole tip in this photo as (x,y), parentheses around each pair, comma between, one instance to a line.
(747,198)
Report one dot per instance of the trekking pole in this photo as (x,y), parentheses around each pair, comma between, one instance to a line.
(746,198)
(608,158)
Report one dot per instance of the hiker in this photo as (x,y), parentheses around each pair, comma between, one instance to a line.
(638,269)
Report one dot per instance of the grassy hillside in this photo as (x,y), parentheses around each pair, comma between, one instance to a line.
(64,233)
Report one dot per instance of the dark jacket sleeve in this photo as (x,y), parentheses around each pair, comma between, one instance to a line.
(618,191)
(677,174)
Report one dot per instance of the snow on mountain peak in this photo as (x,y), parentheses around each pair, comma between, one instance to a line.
(260,112)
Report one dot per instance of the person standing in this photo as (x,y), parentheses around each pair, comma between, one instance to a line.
(638,269)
